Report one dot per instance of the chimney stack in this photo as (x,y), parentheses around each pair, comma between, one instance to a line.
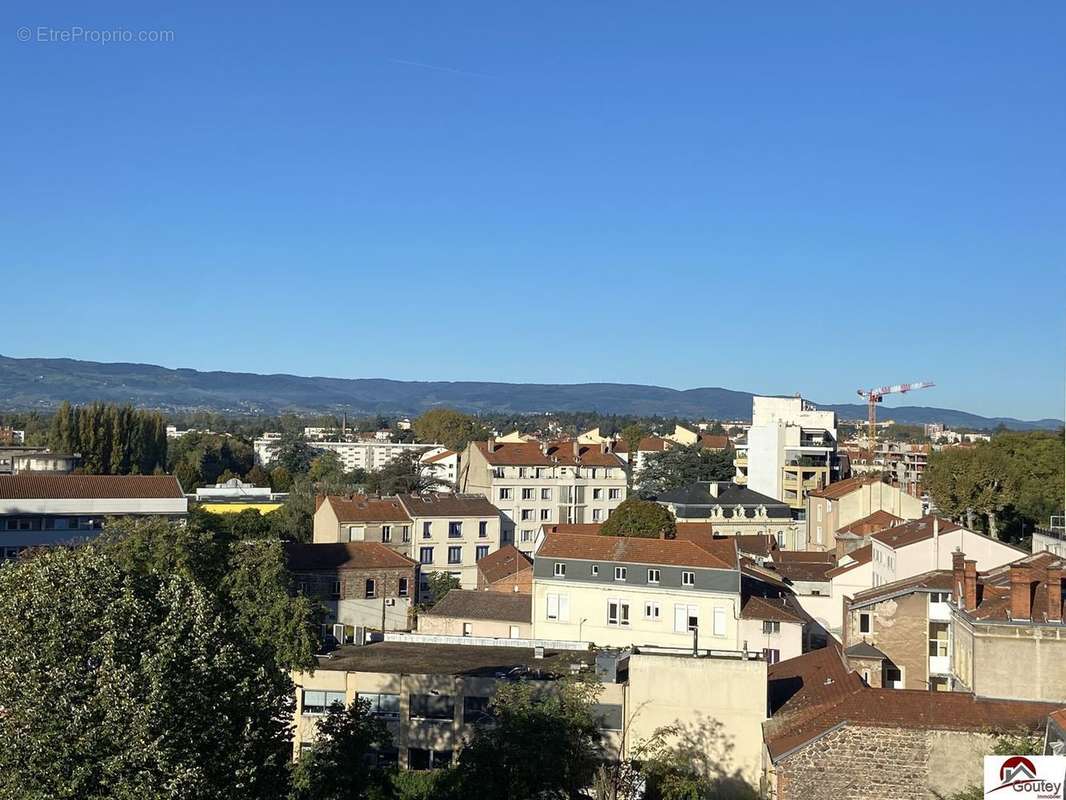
(577,449)
(1021,577)
(1054,594)
(958,576)
(970,585)
(491,444)
(936,527)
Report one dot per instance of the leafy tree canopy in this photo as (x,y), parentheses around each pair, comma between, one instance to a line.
(640,518)
(450,428)
(682,465)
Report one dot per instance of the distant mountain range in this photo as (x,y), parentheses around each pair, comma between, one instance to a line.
(43,383)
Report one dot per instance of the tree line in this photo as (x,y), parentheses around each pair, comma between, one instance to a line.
(112,440)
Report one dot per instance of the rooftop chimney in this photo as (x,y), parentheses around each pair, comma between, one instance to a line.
(936,527)
(577,449)
(1054,594)
(958,576)
(969,589)
(491,444)
(1021,577)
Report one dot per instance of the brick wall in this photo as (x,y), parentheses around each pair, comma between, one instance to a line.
(861,763)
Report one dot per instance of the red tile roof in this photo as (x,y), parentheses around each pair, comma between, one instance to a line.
(803,565)
(917,530)
(439,457)
(816,692)
(770,608)
(835,491)
(710,441)
(446,504)
(535,454)
(938,580)
(871,523)
(503,563)
(88,487)
(994,589)
(361,508)
(343,556)
(716,554)
(756,544)
(860,556)
(649,444)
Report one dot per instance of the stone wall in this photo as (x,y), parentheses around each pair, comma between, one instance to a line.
(863,763)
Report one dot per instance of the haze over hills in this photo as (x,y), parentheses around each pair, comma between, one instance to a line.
(43,383)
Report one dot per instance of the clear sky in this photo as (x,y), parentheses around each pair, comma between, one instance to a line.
(774,197)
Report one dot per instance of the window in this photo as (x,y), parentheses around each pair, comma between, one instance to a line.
(620,573)
(938,638)
(545,494)
(771,626)
(864,623)
(514,632)
(481,551)
(405,533)
(558,607)
(527,535)
(455,530)
(371,587)
(893,678)
(719,622)
(546,514)
(383,705)
(597,515)
(686,618)
(468,629)
(404,587)
(653,576)
(386,533)
(432,706)
(425,555)
(528,494)
(455,555)
(560,569)
(427,530)
(651,611)
(335,590)
(617,612)
(615,494)
(483,529)
(940,597)
(319,702)
(505,494)
(688,578)
(594,569)
(597,494)
(476,710)
(771,655)
(419,758)
(527,514)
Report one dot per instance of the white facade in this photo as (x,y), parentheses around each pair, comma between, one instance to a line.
(892,564)
(786,430)
(368,455)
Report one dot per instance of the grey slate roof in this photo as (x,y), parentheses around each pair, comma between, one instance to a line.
(865,650)
(697,496)
(467,604)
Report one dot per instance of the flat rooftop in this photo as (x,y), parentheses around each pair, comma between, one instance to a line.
(418,658)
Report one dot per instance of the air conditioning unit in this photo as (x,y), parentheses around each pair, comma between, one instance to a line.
(391,601)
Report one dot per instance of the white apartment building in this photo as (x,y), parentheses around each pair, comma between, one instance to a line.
(534,483)
(443,466)
(790,451)
(370,455)
(617,592)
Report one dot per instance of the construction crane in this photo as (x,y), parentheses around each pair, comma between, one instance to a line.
(873,397)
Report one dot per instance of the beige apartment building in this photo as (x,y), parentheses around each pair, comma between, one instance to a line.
(443,532)
(840,504)
(434,692)
(617,591)
(535,483)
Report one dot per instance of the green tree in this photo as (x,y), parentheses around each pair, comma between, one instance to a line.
(438,585)
(257,476)
(402,475)
(643,519)
(682,465)
(448,427)
(337,767)
(326,467)
(294,454)
(121,684)
(544,743)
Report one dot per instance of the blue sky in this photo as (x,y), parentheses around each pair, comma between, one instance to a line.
(777,197)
